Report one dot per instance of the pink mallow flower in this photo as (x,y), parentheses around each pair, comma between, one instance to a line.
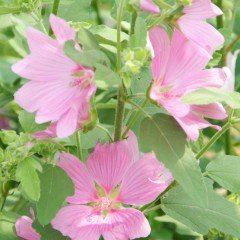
(59,90)
(194,26)
(149,6)
(178,68)
(24,228)
(114,176)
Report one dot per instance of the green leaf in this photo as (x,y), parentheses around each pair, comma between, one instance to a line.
(86,58)
(225,170)
(7,222)
(55,187)
(87,39)
(206,96)
(73,11)
(216,213)
(108,35)
(139,38)
(27,121)
(164,136)
(27,175)
(105,77)
(180,228)
(47,232)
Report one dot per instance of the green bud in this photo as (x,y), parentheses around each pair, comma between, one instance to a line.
(8,136)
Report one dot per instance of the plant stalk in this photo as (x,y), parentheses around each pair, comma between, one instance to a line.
(213,140)
(121,94)
(79,145)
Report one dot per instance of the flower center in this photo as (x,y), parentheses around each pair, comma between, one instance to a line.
(82,77)
(104,203)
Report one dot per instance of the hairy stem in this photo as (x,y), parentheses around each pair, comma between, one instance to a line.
(134,119)
(121,94)
(213,140)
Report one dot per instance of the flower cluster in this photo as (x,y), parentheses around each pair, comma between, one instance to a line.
(117,180)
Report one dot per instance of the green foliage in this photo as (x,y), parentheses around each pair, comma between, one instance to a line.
(27,175)
(27,121)
(56,186)
(225,170)
(139,38)
(217,212)
(7,221)
(205,96)
(87,58)
(163,135)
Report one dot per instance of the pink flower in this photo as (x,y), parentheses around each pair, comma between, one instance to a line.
(178,68)
(59,90)
(149,6)
(50,132)
(113,175)
(24,228)
(194,26)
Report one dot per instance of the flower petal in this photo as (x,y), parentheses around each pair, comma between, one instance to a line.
(202,9)
(67,124)
(149,6)
(61,29)
(185,59)
(201,33)
(133,146)
(213,110)
(161,45)
(192,123)
(25,230)
(215,77)
(108,163)
(85,191)
(133,225)
(144,181)
(78,222)
(39,43)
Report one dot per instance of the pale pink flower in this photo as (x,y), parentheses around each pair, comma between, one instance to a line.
(59,90)
(113,175)
(178,68)
(194,26)
(24,228)
(149,6)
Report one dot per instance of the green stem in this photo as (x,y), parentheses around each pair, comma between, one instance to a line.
(228,142)
(220,18)
(140,108)
(95,4)
(121,94)
(119,114)
(79,145)
(3,195)
(54,11)
(133,22)
(106,131)
(134,119)
(146,211)
(213,140)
